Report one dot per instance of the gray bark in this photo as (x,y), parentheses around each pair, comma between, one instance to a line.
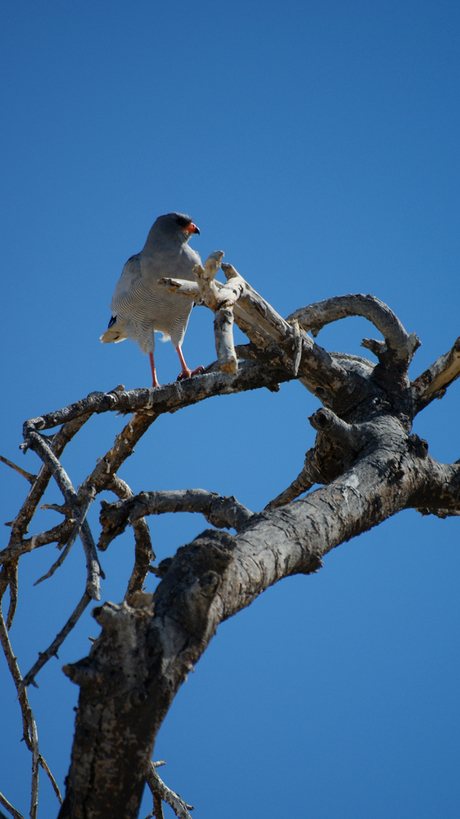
(365,460)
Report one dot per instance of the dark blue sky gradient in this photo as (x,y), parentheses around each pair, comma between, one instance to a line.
(317,144)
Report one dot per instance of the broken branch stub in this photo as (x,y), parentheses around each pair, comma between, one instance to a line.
(225,346)
(220,299)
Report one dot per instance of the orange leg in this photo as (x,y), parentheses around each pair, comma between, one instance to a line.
(186,371)
(154,372)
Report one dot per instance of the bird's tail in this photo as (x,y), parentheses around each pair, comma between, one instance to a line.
(115,332)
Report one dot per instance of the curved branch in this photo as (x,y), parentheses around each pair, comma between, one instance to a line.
(143,553)
(222,512)
(401,344)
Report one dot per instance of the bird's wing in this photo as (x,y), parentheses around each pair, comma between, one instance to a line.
(189,258)
(127,282)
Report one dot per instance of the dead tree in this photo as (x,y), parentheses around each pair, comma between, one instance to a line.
(365,460)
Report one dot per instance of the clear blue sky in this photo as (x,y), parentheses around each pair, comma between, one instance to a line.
(317,144)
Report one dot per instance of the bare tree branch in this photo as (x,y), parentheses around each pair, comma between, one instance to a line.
(365,460)
(440,492)
(92,581)
(13,583)
(28,723)
(22,520)
(316,316)
(434,382)
(35,769)
(52,650)
(27,475)
(263,326)
(78,506)
(157,786)
(144,553)
(54,784)
(15,813)
(148,403)
(220,512)
(300,485)
(29,507)
(210,580)
(58,534)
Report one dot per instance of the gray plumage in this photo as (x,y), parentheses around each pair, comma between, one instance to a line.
(139,307)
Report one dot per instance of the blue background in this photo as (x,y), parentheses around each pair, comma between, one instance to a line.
(317,144)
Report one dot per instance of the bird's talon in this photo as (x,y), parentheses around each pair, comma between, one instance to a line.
(188,373)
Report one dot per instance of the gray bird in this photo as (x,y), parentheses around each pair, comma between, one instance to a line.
(139,307)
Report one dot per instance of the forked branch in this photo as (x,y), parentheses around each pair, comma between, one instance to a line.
(270,334)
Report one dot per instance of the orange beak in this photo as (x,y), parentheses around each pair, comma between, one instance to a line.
(190,228)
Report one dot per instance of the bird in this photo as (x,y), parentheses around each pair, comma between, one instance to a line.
(139,307)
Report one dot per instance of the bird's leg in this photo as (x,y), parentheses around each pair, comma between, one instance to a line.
(154,372)
(186,371)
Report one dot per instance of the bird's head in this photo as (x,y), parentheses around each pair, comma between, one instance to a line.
(176,225)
